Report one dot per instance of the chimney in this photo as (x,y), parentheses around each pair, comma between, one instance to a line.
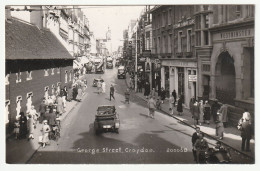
(36,16)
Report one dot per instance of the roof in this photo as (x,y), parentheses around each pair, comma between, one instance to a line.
(26,41)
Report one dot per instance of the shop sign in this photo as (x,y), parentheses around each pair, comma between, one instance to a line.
(192,78)
(234,34)
(176,63)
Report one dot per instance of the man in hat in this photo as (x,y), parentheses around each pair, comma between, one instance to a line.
(214,109)
(219,125)
(112,91)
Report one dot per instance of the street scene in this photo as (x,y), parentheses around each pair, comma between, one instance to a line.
(163,84)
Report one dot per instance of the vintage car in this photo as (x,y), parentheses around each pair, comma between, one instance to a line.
(109,65)
(96,80)
(121,72)
(106,119)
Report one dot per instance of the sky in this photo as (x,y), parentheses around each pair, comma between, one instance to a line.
(117,18)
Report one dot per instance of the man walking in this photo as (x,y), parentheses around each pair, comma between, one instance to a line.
(112,91)
(151,106)
(174,96)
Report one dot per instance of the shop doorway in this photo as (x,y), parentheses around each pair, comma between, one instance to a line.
(225,79)
(181,82)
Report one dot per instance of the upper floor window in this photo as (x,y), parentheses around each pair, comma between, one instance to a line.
(29,75)
(169,17)
(66,76)
(18,77)
(7,79)
(58,70)
(238,10)
(70,76)
(52,71)
(206,21)
(170,43)
(46,72)
(188,40)
(180,41)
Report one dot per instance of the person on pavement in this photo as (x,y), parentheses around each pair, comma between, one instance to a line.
(80,94)
(163,94)
(34,114)
(201,108)
(246,129)
(191,105)
(127,95)
(201,145)
(46,129)
(52,118)
(30,125)
(23,125)
(224,110)
(42,110)
(99,87)
(146,89)
(174,96)
(75,92)
(112,91)
(60,109)
(179,106)
(196,113)
(171,104)
(206,112)
(70,94)
(195,137)
(104,87)
(219,125)
(214,109)
(151,106)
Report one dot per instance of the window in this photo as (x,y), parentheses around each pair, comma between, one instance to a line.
(7,79)
(29,75)
(66,76)
(18,77)
(170,43)
(169,17)
(206,37)
(238,11)
(58,70)
(188,40)
(180,41)
(198,38)
(206,20)
(52,71)
(7,104)
(206,68)
(70,77)
(154,45)
(46,72)
(158,44)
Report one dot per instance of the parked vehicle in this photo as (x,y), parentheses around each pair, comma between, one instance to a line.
(109,65)
(106,119)
(121,72)
(96,80)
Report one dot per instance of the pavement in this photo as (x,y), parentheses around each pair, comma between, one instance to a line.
(20,151)
(231,138)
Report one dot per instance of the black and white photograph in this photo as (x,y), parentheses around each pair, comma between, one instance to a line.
(129,84)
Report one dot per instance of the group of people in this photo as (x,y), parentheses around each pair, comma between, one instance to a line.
(101,88)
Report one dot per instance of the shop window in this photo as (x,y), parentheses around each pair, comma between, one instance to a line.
(180,41)
(18,77)
(58,70)
(188,40)
(7,79)
(29,75)
(52,71)
(46,72)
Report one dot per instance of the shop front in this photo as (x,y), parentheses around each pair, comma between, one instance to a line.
(182,78)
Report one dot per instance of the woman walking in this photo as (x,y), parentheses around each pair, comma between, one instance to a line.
(196,113)
(30,127)
(46,129)
(23,125)
(179,106)
(60,109)
(79,96)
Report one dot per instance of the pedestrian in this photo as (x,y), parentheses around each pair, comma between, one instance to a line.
(80,93)
(196,113)
(60,109)
(206,112)
(153,92)
(42,110)
(139,85)
(224,111)
(163,94)
(16,128)
(247,116)
(151,106)
(127,95)
(45,129)
(30,127)
(112,91)
(64,94)
(219,125)
(244,125)
(33,114)
(99,87)
(104,87)
(174,96)
(201,109)
(75,91)
(23,125)
(214,109)
(158,104)
(191,105)
(179,106)
(195,137)
(171,104)
(70,94)
(146,89)
(201,145)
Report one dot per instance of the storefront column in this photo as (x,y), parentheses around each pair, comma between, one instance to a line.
(176,80)
(172,78)
(186,88)
(163,76)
